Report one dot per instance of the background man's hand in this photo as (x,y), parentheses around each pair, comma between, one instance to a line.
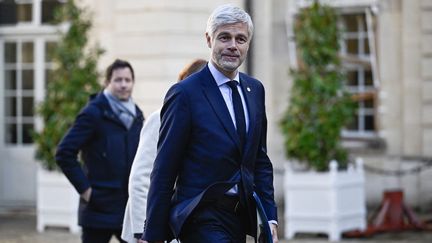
(273,229)
(86,195)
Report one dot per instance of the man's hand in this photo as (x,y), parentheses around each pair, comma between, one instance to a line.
(273,229)
(141,241)
(86,195)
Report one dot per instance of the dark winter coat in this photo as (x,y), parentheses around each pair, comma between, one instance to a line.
(107,149)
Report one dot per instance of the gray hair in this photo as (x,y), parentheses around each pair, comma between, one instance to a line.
(228,14)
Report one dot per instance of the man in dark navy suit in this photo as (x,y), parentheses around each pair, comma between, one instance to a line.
(106,133)
(212,147)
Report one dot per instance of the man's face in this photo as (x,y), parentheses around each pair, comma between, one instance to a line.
(121,83)
(229,45)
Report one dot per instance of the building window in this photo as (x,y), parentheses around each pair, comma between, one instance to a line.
(48,10)
(19,91)
(20,87)
(13,12)
(358,62)
(25,64)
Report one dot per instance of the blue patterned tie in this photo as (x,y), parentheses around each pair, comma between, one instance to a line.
(239,112)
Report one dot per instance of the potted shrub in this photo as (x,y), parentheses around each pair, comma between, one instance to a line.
(319,200)
(73,79)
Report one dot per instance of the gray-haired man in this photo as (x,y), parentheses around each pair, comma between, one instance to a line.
(212,146)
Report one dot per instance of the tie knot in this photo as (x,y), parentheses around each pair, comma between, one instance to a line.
(232,84)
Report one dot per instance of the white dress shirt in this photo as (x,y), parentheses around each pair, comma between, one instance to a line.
(226,92)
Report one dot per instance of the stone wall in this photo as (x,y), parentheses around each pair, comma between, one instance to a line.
(157,37)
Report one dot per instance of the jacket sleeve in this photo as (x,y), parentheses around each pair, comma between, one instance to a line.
(139,179)
(67,151)
(264,170)
(173,139)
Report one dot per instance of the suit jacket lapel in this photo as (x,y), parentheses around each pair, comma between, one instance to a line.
(214,96)
(249,96)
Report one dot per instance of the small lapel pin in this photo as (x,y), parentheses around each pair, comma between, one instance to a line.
(248,89)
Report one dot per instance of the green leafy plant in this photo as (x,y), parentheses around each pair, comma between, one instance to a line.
(319,108)
(74,78)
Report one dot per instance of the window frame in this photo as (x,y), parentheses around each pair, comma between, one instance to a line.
(40,65)
(345,7)
(36,12)
(362,62)
(19,94)
(39,34)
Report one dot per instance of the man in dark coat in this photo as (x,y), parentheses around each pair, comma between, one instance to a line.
(106,134)
(212,151)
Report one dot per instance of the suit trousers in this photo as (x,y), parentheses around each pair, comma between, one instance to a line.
(94,235)
(216,222)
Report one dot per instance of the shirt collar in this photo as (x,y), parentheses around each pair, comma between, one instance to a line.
(220,77)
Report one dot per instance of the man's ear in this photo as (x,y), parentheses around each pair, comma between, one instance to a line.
(208,38)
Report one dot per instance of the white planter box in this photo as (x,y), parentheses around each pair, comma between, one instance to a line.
(57,201)
(325,202)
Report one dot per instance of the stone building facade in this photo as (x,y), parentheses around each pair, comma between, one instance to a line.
(386,48)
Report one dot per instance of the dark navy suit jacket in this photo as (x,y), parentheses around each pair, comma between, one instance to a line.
(199,155)
(107,149)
